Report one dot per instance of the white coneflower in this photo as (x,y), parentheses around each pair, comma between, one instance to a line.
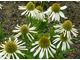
(10,49)
(26,30)
(43,47)
(30,9)
(1,6)
(62,42)
(40,15)
(67,28)
(54,12)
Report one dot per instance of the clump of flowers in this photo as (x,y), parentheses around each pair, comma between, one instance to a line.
(45,40)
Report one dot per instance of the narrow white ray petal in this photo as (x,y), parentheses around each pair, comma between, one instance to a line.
(41,54)
(68,35)
(33,31)
(13,56)
(57,26)
(31,36)
(22,7)
(17,35)
(64,46)
(56,40)
(24,12)
(63,7)
(75,30)
(21,47)
(35,43)
(74,33)
(16,56)
(34,48)
(32,28)
(59,44)
(69,41)
(62,14)
(18,26)
(56,36)
(21,44)
(4,56)
(50,53)
(56,16)
(65,32)
(53,16)
(8,57)
(68,45)
(52,50)
(15,30)
(20,52)
(37,51)
(52,45)
(46,53)
(2,53)
(29,25)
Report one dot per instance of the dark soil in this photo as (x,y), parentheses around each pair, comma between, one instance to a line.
(10,16)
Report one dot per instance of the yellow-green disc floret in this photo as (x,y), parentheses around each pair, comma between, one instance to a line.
(10,47)
(39,8)
(67,25)
(30,6)
(55,7)
(24,29)
(44,42)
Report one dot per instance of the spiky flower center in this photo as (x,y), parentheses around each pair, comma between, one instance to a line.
(30,6)
(10,47)
(39,8)
(67,25)
(55,7)
(44,42)
(62,38)
(24,29)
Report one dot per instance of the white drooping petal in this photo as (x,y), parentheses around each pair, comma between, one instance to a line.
(59,44)
(31,36)
(41,54)
(62,14)
(16,56)
(50,52)
(17,35)
(74,33)
(37,51)
(33,48)
(32,28)
(13,56)
(33,31)
(68,45)
(22,7)
(35,43)
(56,16)
(20,52)
(56,40)
(15,30)
(24,12)
(46,53)
(63,7)
(4,56)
